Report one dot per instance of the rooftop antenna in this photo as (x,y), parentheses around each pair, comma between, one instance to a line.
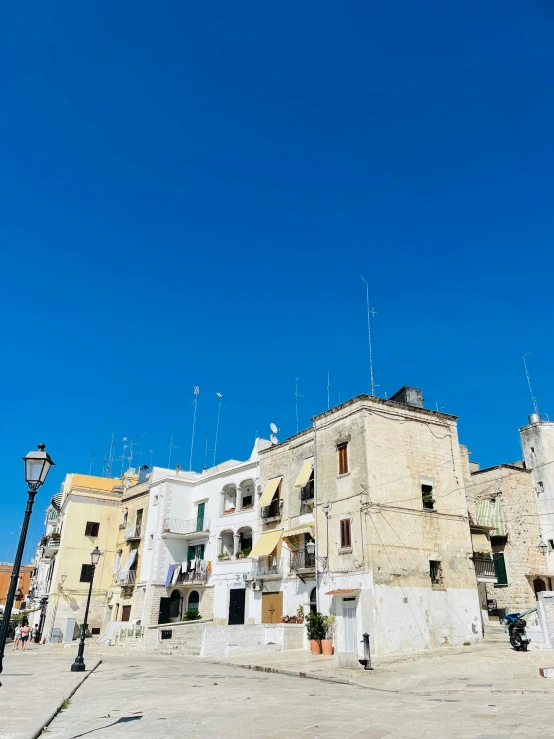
(171,447)
(104,463)
(220,396)
(110,456)
(90,465)
(195,406)
(132,443)
(535,404)
(123,457)
(206,453)
(296,396)
(370,314)
(140,449)
(273,438)
(328,389)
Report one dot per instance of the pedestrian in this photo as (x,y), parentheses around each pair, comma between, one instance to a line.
(25,630)
(16,637)
(35,634)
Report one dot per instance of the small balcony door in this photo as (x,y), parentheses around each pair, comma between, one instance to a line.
(200,517)
(126,613)
(237,599)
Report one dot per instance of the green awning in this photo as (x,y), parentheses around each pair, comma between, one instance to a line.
(491,513)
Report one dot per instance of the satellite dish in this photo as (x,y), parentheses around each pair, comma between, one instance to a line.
(273,439)
(273,428)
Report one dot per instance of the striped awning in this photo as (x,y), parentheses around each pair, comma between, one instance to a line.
(491,513)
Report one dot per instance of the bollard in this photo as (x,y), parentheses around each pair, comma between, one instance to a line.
(367,652)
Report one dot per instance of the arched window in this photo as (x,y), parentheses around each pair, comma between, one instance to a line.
(176,605)
(194,600)
(313,601)
(538,586)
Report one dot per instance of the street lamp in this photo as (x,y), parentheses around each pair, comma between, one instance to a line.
(79,664)
(542,548)
(37,467)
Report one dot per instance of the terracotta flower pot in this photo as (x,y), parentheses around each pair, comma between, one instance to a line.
(315,645)
(327,646)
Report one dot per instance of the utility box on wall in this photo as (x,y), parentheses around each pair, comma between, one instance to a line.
(166,634)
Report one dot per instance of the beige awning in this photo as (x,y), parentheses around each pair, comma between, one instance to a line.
(270,490)
(480,542)
(299,530)
(305,473)
(266,543)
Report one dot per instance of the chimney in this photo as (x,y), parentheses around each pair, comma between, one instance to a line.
(409,396)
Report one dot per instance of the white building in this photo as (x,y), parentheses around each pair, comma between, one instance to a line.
(42,573)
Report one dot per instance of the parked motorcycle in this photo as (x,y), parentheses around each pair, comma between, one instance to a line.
(516,628)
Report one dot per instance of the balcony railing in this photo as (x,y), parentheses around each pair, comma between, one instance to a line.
(132,532)
(273,510)
(264,566)
(190,526)
(307,492)
(484,567)
(52,545)
(127,579)
(302,560)
(198,574)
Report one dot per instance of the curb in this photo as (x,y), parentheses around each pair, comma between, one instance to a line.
(50,715)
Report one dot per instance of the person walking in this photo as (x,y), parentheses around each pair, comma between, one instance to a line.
(16,637)
(34,636)
(25,630)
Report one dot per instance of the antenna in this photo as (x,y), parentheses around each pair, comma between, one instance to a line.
(195,406)
(123,458)
(370,314)
(90,466)
(140,449)
(328,389)
(296,396)
(171,447)
(206,453)
(273,439)
(151,457)
(535,404)
(220,396)
(104,462)
(110,457)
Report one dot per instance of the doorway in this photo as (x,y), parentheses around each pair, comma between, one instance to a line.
(237,600)
(539,586)
(350,630)
(126,613)
(272,608)
(175,606)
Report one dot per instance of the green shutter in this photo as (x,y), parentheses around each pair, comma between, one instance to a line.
(500,568)
(202,547)
(191,554)
(200,517)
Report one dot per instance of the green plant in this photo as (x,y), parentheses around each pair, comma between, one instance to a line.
(244,552)
(191,615)
(224,555)
(330,623)
(65,704)
(300,613)
(467,644)
(315,624)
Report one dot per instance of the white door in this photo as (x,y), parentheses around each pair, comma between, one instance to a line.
(349,625)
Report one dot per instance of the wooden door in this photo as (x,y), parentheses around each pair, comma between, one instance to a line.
(236,606)
(272,608)
(126,613)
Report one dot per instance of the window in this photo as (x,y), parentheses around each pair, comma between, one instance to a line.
(86,573)
(91,529)
(156,499)
(151,541)
(427,497)
(194,601)
(540,487)
(551,543)
(345,534)
(532,450)
(342,451)
(500,569)
(138,520)
(247,501)
(435,573)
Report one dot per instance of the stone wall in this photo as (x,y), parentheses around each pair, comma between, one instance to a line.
(223,641)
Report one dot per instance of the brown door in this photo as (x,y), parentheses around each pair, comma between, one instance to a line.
(272,608)
(126,613)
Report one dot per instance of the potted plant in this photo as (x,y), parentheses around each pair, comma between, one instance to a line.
(315,624)
(244,553)
(191,615)
(223,555)
(300,614)
(228,510)
(327,642)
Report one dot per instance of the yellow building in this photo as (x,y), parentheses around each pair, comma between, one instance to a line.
(90,514)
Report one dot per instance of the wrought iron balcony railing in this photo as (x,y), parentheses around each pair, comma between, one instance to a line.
(484,567)
(184,527)
(264,566)
(302,560)
(273,510)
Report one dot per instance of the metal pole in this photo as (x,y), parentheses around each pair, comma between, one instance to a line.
(79,664)
(15,575)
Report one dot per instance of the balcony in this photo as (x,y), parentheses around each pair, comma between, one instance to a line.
(267,568)
(484,569)
(132,532)
(128,579)
(197,575)
(52,545)
(302,561)
(307,493)
(273,511)
(176,528)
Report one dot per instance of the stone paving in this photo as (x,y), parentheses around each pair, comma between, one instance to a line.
(139,695)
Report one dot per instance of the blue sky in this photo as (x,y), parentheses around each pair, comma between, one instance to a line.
(190,192)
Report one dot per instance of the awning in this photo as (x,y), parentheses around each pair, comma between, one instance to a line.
(491,513)
(480,542)
(270,490)
(266,543)
(127,566)
(305,473)
(343,591)
(299,530)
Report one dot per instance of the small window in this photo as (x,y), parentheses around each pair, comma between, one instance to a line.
(427,497)
(342,451)
(86,573)
(345,534)
(91,529)
(435,573)
(151,541)
(247,501)
(532,450)
(540,487)
(138,519)
(156,499)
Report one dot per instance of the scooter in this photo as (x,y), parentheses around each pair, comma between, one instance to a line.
(516,629)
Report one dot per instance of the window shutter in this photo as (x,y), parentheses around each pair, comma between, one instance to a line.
(191,554)
(500,568)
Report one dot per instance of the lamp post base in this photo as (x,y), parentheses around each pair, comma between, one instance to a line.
(78,667)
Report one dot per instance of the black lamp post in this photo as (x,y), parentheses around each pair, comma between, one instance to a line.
(79,664)
(37,467)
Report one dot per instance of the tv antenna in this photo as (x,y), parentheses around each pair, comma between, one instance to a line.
(206,453)
(296,396)
(220,396)
(110,456)
(123,457)
(90,465)
(171,447)
(274,430)
(195,406)
(370,314)
(535,404)
(140,449)
(104,462)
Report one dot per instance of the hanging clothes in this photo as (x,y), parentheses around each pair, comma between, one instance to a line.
(169,575)
(176,572)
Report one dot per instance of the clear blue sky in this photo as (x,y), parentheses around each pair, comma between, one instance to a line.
(189,194)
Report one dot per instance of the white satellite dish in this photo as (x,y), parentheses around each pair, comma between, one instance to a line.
(273,428)
(273,439)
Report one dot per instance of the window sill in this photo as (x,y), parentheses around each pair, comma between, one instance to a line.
(344,474)
(501,585)
(345,550)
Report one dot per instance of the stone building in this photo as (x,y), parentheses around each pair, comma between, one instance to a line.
(392,554)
